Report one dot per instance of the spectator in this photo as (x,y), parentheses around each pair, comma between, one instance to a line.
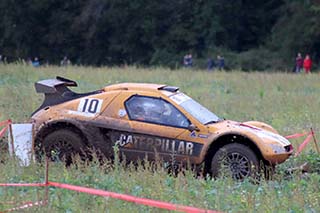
(190,60)
(210,64)
(187,60)
(307,64)
(3,59)
(221,63)
(299,63)
(65,61)
(36,62)
(29,61)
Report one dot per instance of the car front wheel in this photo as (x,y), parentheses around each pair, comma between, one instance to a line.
(235,160)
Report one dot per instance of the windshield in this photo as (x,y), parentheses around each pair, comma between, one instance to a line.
(198,111)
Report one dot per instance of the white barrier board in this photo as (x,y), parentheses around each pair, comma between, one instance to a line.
(22,142)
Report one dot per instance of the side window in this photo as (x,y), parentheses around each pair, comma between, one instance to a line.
(155,110)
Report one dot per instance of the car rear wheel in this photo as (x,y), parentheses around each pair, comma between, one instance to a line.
(235,160)
(62,145)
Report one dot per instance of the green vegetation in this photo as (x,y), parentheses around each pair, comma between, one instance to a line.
(252,35)
(288,102)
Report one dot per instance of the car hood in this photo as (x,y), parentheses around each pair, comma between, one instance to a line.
(250,131)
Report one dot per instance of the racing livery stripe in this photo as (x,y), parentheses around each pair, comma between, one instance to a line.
(160,145)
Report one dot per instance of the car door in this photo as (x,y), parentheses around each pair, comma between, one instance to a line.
(156,124)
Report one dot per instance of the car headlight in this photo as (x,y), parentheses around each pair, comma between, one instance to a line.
(277,149)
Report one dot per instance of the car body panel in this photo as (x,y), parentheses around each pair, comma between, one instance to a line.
(106,119)
(269,153)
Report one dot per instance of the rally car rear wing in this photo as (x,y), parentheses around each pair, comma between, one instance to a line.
(56,91)
(54,85)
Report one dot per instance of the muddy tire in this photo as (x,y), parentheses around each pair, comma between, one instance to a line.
(235,160)
(62,145)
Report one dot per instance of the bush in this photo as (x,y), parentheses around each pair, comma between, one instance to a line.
(313,160)
(165,58)
(260,59)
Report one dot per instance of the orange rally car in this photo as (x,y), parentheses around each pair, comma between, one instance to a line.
(151,121)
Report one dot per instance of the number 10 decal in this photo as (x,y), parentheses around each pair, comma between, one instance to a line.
(90,105)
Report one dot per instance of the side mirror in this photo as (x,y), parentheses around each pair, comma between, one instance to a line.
(192,128)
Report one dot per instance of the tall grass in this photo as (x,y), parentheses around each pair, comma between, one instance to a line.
(288,102)
(295,194)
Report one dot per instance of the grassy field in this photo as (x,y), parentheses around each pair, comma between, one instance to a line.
(289,102)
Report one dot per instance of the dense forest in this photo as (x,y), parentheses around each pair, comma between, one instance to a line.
(250,34)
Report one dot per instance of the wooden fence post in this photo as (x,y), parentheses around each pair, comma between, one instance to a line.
(315,141)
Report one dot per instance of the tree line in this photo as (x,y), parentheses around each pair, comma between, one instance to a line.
(251,34)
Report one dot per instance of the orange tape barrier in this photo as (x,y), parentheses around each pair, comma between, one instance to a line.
(304,143)
(23,184)
(98,192)
(310,135)
(29,203)
(298,135)
(130,198)
(6,126)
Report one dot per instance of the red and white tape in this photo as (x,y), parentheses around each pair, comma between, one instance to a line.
(6,126)
(309,135)
(129,198)
(27,205)
(297,135)
(99,192)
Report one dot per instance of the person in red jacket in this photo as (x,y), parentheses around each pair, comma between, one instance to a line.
(307,63)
